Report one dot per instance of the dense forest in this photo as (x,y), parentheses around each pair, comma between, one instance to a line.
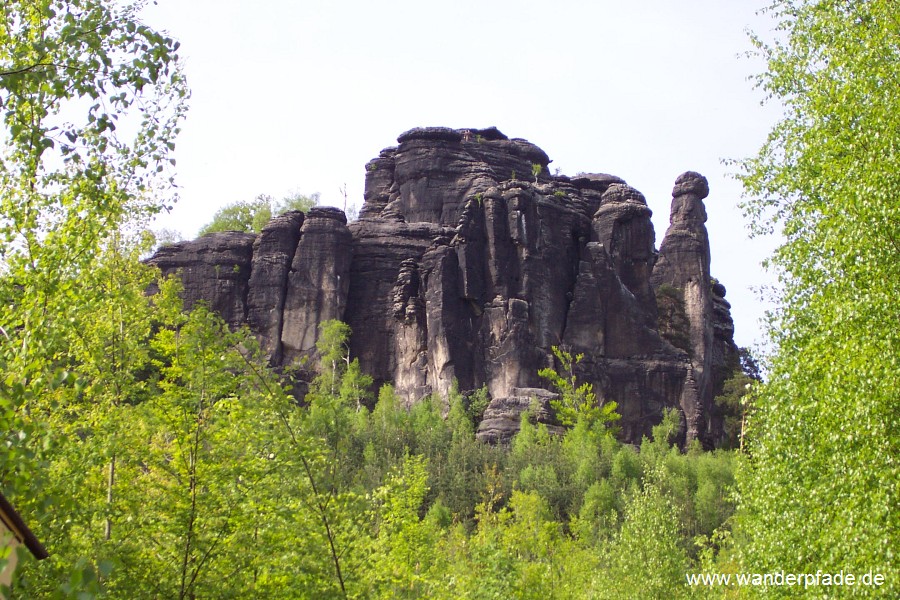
(156,455)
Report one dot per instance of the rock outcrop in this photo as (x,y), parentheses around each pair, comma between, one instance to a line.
(468,263)
(214,269)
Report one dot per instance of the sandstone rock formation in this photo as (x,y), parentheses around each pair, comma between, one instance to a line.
(466,266)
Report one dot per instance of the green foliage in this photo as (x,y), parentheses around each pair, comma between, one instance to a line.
(460,464)
(472,405)
(166,237)
(733,400)
(537,462)
(576,402)
(247,217)
(406,543)
(734,404)
(65,184)
(749,365)
(536,169)
(334,360)
(154,452)
(92,101)
(252,216)
(820,491)
(224,487)
(157,456)
(646,554)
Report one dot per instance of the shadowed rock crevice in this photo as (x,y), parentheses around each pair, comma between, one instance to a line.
(468,263)
(273,252)
(318,282)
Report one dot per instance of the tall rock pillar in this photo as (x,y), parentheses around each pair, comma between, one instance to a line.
(318,281)
(682,270)
(273,253)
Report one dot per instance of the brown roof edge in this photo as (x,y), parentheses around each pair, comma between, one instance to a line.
(17,526)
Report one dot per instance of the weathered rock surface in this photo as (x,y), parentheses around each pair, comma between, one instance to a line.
(318,281)
(502,417)
(684,265)
(273,253)
(464,266)
(214,269)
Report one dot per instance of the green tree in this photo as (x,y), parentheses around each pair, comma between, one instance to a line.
(538,462)
(166,237)
(169,467)
(576,401)
(733,401)
(252,216)
(734,404)
(90,427)
(820,490)
(646,553)
(92,100)
(327,442)
(407,544)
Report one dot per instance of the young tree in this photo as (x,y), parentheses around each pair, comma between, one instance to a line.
(406,544)
(646,553)
(71,73)
(251,217)
(820,491)
(92,99)
(577,402)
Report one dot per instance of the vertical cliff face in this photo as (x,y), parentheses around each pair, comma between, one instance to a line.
(273,254)
(317,283)
(214,269)
(465,266)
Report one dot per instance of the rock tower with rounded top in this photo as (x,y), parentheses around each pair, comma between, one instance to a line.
(468,263)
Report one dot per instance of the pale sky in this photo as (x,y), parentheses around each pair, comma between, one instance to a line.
(298,96)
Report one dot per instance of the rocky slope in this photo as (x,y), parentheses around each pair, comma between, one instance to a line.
(466,266)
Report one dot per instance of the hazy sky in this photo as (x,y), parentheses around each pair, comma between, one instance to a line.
(299,95)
